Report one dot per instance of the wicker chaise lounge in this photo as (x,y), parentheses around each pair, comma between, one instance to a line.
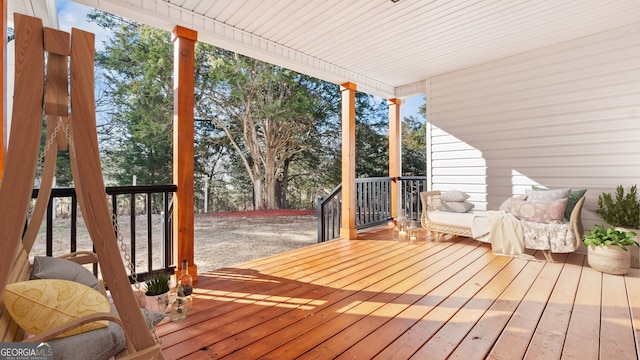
(446,223)
(553,237)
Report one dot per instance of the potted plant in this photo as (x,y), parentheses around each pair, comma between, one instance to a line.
(608,249)
(157,287)
(623,212)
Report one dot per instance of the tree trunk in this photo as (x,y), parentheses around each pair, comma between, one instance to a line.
(270,184)
(284,183)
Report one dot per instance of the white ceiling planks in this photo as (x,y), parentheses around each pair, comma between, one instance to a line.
(387,49)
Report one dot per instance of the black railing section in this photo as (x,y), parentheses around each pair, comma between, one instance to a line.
(373,204)
(411,186)
(330,215)
(157,199)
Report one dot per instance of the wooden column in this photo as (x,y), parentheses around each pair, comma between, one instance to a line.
(183,159)
(395,154)
(3,81)
(348,228)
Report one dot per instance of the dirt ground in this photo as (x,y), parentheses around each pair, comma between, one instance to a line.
(220,240)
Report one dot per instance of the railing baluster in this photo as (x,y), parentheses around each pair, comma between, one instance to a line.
(132,229)
(373,204)
(149,233)
(113,192)
(50,228)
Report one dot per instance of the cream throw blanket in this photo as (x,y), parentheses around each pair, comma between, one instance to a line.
(506,235)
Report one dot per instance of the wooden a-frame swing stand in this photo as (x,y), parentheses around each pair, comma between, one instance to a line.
(22,159)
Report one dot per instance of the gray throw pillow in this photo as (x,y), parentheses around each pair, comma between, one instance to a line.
(547,195)
(456,206)
(454,195)
(46,267)
(99,344)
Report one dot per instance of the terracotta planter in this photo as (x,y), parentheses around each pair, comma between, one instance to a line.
(609,259)
(633,250)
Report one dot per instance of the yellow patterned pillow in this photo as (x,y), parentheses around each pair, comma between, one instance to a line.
(41,305)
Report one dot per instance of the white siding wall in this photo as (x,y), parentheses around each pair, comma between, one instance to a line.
(562,116)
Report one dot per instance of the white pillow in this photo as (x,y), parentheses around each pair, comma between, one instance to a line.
(454,195)
(456,206)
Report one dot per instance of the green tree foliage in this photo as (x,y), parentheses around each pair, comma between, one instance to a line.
(264,111)
(136,66)
(372,141)
(265,136)
(414,147)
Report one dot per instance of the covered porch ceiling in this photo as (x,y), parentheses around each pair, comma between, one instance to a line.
(388,48)
(43,9)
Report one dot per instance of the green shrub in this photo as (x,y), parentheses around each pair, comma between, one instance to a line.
(623,211)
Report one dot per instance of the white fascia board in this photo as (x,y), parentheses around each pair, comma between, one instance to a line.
(416,88)
(166,16)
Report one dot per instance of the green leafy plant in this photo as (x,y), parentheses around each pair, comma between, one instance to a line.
(610,236)
(157,283)
(623,211)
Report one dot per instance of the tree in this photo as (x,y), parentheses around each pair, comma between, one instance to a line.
(136,67)
(264,111)
(414,147)
(259,128)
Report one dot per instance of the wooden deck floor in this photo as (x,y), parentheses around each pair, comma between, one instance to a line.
(379,299)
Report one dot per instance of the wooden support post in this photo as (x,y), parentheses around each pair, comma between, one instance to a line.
(22,157)
(3,81)
(395,154)
(348,228)
(183,158)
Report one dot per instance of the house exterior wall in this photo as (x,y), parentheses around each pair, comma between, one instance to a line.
(567,115)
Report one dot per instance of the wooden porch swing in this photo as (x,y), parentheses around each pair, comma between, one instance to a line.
(20,168)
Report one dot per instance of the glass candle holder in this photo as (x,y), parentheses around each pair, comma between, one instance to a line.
(401,224)
(414,233)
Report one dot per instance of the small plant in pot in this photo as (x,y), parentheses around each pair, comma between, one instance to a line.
(608,249)
(157,287)
(622,210)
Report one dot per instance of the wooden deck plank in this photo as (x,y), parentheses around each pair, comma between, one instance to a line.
(376,320)
(453,332)
(362,298)
(407,344)
(515,338)
(486,331)
(616,330)
(552,329)
(371,280)
(241,283)
(443,284)
(632,281)
(585,318)
(232,305)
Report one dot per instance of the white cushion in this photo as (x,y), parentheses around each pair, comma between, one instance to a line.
(453,218)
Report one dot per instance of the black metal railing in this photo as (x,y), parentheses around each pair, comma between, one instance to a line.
(411,186)
(152,201)
(373,204)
